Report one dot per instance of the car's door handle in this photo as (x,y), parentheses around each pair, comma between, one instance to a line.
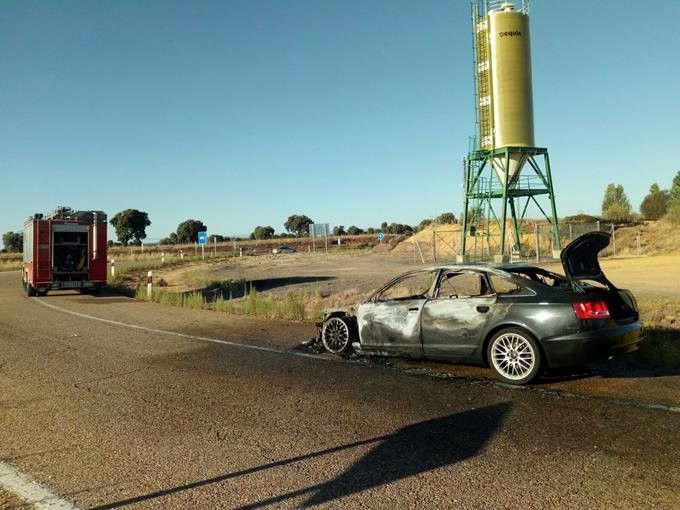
(413,309)
(482,309)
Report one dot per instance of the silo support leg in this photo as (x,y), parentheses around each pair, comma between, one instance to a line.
(515,225)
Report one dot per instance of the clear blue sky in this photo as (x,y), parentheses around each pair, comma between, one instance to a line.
(242,112)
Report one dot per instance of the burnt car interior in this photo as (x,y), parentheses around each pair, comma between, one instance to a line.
(461,284)
(538,275)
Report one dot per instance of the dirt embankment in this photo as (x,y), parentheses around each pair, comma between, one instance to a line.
(655,238)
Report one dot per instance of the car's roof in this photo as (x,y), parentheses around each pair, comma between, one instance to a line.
(508,267)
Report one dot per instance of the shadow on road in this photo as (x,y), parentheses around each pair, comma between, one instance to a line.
(273,283)
(612,370)
(235,289)
(409,451)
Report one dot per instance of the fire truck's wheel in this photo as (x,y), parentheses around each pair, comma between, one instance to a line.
(30,290)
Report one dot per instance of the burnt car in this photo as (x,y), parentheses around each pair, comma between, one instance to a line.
(517,319)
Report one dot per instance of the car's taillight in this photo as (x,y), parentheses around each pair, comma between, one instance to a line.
(591,310)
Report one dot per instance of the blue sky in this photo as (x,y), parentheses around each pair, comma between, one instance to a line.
(240,113)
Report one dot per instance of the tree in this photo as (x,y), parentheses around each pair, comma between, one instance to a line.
(675,189)
(217,238)
(673,213)
(398,228)
(383,226)
(262,233)
(171,239)
(370,230)
(339,230)
(354,231)
(655,204)
(13,241)
(130,225)
(446,218)
(187,231)
(423,224)
(298,224)
(615,205)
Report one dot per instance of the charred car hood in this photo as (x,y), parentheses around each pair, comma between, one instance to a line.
(579,257)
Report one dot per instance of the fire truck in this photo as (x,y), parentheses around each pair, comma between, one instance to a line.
(65,249)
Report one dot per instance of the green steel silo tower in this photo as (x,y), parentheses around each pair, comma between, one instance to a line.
(504,171)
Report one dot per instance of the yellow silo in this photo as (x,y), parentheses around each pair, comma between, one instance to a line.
(503,170)
(511,100)
(513,113)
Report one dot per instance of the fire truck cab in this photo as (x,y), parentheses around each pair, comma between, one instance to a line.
(65,249)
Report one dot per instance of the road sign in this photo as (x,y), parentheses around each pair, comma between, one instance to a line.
(202,238)
(380,236)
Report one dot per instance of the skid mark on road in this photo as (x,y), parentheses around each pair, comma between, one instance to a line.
(409,371)
(31,492)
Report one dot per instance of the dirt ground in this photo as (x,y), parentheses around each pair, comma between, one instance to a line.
(357,275)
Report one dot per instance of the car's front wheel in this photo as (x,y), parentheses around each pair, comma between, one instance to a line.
(337,334)
(514,355)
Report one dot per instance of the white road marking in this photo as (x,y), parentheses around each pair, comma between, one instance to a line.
(31,492)
(427,373)
(186,335)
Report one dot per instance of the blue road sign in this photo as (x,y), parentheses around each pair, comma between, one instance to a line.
(380,236)
(202,237)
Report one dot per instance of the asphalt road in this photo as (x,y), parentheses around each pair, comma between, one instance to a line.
(108,415)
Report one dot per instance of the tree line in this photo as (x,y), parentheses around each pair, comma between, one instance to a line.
(130,229)
(658,203)
(130,224)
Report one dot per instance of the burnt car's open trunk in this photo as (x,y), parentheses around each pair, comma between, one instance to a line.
(582,270)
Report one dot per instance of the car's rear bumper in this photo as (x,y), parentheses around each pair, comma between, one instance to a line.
(592,345)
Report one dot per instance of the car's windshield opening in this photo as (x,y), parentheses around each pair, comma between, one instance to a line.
(413,286)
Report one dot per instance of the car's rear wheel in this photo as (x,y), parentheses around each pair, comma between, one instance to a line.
(337,335)
(30,290)
(514,356)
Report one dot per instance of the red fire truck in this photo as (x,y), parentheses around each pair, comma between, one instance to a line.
(65,249)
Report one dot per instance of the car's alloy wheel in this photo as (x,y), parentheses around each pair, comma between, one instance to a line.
(336,335)
(514,356)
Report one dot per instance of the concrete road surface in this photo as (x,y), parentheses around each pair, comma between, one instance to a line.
(147,407)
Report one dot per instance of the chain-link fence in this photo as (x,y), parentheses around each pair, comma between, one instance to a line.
(537,241)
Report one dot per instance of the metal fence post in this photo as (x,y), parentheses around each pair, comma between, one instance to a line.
(434,247)
(113,268)
(538,247)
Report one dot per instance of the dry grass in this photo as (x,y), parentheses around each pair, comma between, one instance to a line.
(656,237)
(10,261)
(292,306)
(661,318)
(10,266)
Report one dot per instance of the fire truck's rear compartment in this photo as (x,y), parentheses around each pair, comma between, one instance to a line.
(70,257)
